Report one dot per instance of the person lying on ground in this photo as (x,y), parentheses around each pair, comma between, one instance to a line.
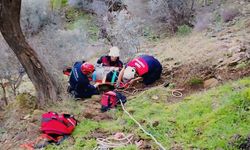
(145,68)
(79,83)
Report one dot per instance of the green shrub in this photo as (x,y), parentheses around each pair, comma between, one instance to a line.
(246,94)
(195,81)
(26,101)
(78,19)
(57,4)
(184,30)
(150,35)
(242,65)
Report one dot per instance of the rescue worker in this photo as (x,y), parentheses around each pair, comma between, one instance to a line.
(79,83)
(145,67)
(112,59)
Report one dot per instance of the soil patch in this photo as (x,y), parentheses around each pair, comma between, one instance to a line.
(92,110)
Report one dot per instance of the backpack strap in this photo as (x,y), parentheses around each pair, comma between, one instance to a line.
(52,118)
(113,77)
(109,104)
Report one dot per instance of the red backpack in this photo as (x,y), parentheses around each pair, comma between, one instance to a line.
(111,99)
(53,123)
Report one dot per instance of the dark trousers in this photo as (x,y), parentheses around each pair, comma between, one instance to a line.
(153,75)
(83,93)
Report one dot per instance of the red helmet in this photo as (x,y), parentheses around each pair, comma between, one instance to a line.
(87,68)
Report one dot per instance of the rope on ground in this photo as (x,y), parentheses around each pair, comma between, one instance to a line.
(140,126)
(174,92)
(177,93)
(113,142)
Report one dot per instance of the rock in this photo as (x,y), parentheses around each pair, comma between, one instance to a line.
(210,83)
(234,49)
(177,63)
(213,35)
(243,48)
(242,2)
(223,47)
(155,97)
(166,72)
(234,62)
(228,55)
(38,112)
(248,55)
(155,124)
(236,58)
(219,77)
(169,59)
(220,60)
(166,84)
(27,117)
(240,48)
(223,38)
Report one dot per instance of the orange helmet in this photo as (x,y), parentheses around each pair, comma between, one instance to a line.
(87,68)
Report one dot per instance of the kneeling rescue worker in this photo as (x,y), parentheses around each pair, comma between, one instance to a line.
(145,67)
(79,83)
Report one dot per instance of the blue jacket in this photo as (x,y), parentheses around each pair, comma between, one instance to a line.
(80,84)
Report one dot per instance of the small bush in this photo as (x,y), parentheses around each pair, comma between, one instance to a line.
(246,94)
(150,35)
(202,22)
(195,81)
(26,101)
(172,13)
(243,101)
(242,65)
(35,16)
(184,30)
(57,4)
(229,14)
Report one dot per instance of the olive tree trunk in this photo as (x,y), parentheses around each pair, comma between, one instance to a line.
(45,85)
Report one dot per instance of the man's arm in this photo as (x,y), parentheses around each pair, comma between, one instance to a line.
(134,80)
(120,77)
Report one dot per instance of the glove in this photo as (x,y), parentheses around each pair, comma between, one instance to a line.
(96,85)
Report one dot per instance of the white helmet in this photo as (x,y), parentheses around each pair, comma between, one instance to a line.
(129,73)
(114,51)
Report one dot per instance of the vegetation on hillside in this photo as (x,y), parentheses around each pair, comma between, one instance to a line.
(215,119)
(199,45)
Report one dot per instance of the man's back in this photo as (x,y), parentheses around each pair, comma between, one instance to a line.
(77,79)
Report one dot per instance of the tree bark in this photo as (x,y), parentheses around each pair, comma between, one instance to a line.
(4,98)
(45,85)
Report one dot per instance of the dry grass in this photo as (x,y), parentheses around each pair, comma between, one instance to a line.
(26,86)
(194,48)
